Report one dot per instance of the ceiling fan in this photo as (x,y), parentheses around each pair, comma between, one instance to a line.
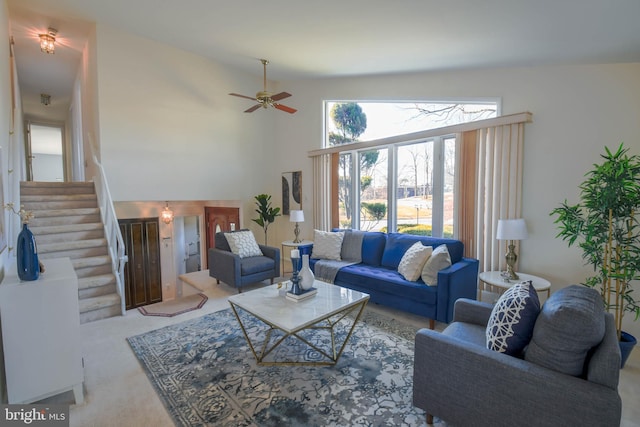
(266,99)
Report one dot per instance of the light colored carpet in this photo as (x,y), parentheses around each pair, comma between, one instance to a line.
(174,307)
(118,392)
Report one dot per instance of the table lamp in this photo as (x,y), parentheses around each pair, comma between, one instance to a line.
(296,216)
(511,229)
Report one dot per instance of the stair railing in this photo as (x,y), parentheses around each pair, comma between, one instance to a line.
(115,241)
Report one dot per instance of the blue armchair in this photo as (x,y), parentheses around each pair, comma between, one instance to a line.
(229,268)
(459,380)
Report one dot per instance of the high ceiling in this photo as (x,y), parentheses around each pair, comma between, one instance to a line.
(305,40)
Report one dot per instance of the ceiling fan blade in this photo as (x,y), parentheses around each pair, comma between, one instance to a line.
(285,108)
(243,96)
(252,109)
(279,96)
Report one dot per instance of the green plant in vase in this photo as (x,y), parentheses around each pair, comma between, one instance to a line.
(266,214)
(604,225)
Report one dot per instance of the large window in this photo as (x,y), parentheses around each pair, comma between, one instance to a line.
(407,185)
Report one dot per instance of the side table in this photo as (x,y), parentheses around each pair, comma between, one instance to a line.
(494,279)
(304,247)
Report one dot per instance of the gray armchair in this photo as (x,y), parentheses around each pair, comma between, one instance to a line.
(228,267)
(459,380)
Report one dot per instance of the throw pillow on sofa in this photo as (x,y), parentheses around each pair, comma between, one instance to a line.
(438,260)
(569,325)
(512,319)
(243,244)
(413,261)
(327,244)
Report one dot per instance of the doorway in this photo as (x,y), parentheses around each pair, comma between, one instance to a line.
(220,219)
(186,231)
(45,153)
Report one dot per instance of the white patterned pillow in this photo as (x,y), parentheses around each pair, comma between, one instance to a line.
(438,260)
(243,244)
(327,245)
(512,319)
(413,261)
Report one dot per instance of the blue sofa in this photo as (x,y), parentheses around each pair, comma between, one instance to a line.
(377,275)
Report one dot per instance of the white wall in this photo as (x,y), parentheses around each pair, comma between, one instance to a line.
(5,116)
(168,125)
(577,110)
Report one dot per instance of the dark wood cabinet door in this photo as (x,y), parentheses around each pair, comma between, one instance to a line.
(142,272)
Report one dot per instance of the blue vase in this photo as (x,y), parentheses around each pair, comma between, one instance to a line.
(27,253)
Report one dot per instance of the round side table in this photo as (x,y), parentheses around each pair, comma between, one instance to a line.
(292,245)
(494,279)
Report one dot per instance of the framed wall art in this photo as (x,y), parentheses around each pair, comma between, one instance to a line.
(291,191)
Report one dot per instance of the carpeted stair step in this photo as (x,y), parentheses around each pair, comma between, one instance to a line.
(94,286)
(46,188)
(93,228)
(65,216)
(74,249)
(99,307)
(60,204)
(92,266)
(27,199)
(96,281)
(70,236)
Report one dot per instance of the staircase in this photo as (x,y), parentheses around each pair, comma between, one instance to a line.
(67,223)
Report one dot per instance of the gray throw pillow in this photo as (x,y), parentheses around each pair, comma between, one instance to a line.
(570,323)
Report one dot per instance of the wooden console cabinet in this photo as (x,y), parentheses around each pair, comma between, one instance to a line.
(41,333)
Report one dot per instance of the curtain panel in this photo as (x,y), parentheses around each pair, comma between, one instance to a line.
(322,184)
(491,189)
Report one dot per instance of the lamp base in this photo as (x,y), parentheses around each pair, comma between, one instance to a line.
(509,275)
(511,259)
(296,231)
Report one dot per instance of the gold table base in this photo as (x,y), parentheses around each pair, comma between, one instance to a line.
(335,352)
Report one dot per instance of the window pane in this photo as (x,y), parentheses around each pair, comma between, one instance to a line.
(373,190)
(383,119)
(414,193)
(344,190)
(449,186)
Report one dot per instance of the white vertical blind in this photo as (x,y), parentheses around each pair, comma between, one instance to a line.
(322,192)
(499,189)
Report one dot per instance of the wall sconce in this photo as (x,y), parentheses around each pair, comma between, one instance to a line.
(296,216)
(167,214)
(48,41)
(511,229)
(45,99)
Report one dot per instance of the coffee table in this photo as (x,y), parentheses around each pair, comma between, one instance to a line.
(324,311)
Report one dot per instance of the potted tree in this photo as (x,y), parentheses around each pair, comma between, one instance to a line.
(604,224)
(266,214)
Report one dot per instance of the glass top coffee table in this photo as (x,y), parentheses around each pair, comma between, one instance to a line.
(285,318)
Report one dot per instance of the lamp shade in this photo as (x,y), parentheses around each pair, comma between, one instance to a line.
(296,216)
(512,229)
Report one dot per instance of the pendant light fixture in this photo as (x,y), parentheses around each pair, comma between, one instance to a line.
(48,41)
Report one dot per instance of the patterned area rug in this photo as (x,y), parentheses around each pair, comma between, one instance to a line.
(206,374)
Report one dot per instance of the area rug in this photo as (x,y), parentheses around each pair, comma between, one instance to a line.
(206,375)
(175,306)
